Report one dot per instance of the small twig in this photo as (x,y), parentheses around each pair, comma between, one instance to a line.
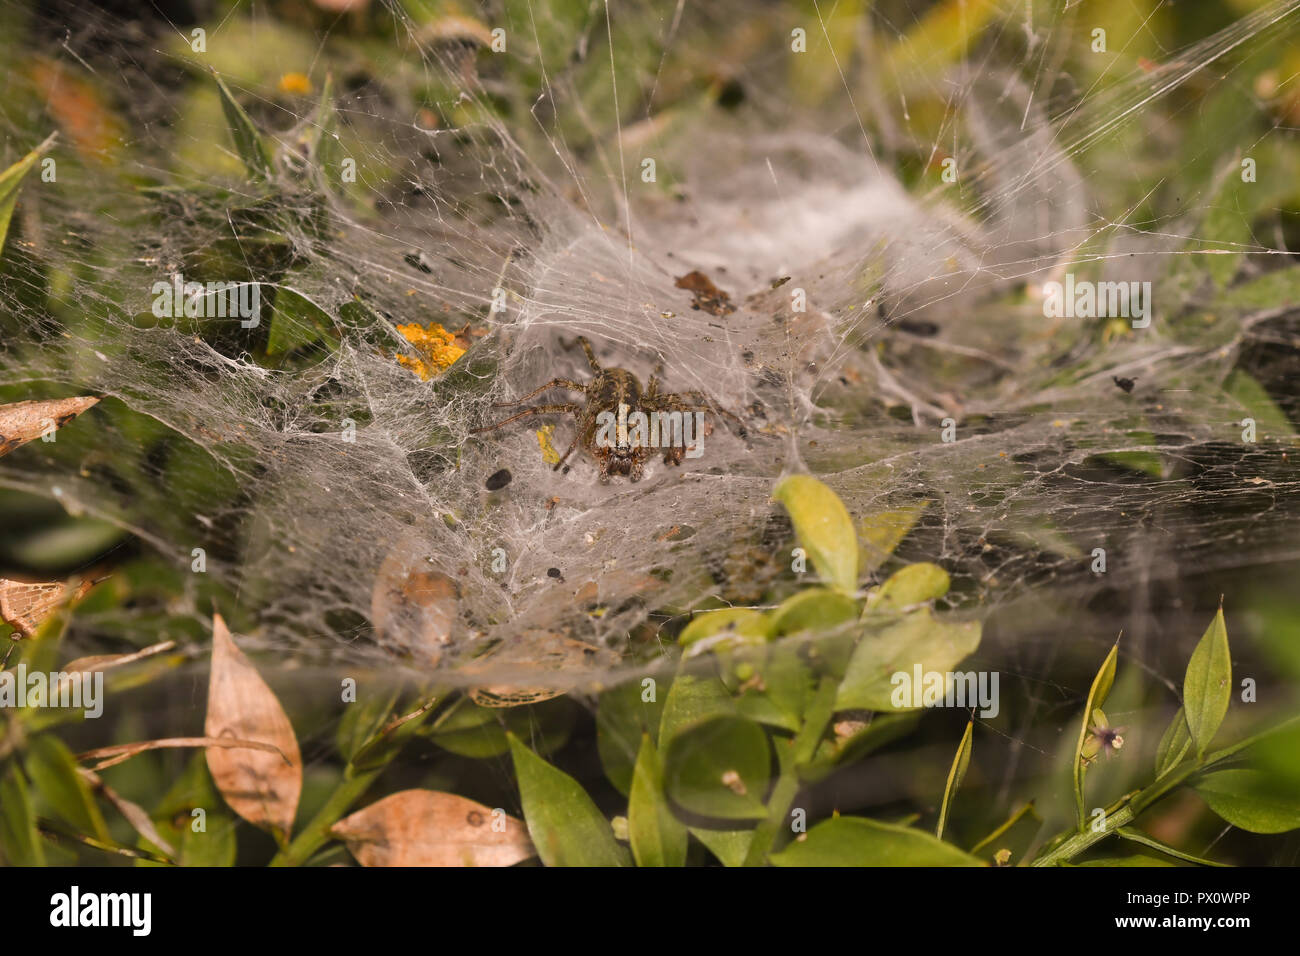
(118,753)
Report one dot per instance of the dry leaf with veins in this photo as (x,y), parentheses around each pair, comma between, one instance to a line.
(428,828)
(261,787)
(414,608)
(24,604)
(25,421)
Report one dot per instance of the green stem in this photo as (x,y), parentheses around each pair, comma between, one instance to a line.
(357,778)
(317,833)
(1143,799)
(1079,842)
(802,748)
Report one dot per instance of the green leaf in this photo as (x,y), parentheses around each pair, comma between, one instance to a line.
(658,838)
(565,826)
(20,844)
(10,180)
(824,615)
(692,700)
(1265,291)
(480,732)
(884,729)
(53,772)
(959,764)
(1270,422)
(911,585)
(215,845)
(787,684)
(917,639)
(728,628)
(729,846)
(1173,744)
(1144,462)
(469,730)
(1137,836)
(1004,833)
(813,78)
(174,819)
(720,769)
(249,142)
(815,610)
(759,706)
(1250,800)
(297,321)
(824,528)
(622,717)
(1097,693)
(880,534)
(361,720)
(1226,225)
(323,139)
(856,841)
(1207,685)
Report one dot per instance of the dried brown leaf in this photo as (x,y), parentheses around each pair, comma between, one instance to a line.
(133,812)
(428,828)
(120,753)
(708,296)
(261,787)
(24,421)
(25,604)
(104,662)
(414,609)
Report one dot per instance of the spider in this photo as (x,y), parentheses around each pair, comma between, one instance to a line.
(610,388)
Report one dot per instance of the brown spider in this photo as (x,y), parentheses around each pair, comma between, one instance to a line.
(611,388)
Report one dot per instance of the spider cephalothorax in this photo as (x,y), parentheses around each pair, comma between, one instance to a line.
(611,390)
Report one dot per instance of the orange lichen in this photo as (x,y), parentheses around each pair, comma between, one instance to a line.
(436,349)
(295,83)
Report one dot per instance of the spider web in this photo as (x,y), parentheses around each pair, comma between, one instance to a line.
(479,182)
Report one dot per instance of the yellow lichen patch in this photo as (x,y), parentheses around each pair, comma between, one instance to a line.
(295,83)
(549,454)
(435,348)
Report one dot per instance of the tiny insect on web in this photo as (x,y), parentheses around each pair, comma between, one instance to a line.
(611,389)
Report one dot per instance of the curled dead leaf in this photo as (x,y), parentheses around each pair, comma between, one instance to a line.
(414,609)
(428,828)
(104,662)
(132,812)
(25,604)
(505,696)
(120,753)
(261,787)
(532,652)
(24,421)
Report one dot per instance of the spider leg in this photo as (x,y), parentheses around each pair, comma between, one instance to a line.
(591,356)
(553,383)
(572,445)
(679,401)
(537,410)
(652,389)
